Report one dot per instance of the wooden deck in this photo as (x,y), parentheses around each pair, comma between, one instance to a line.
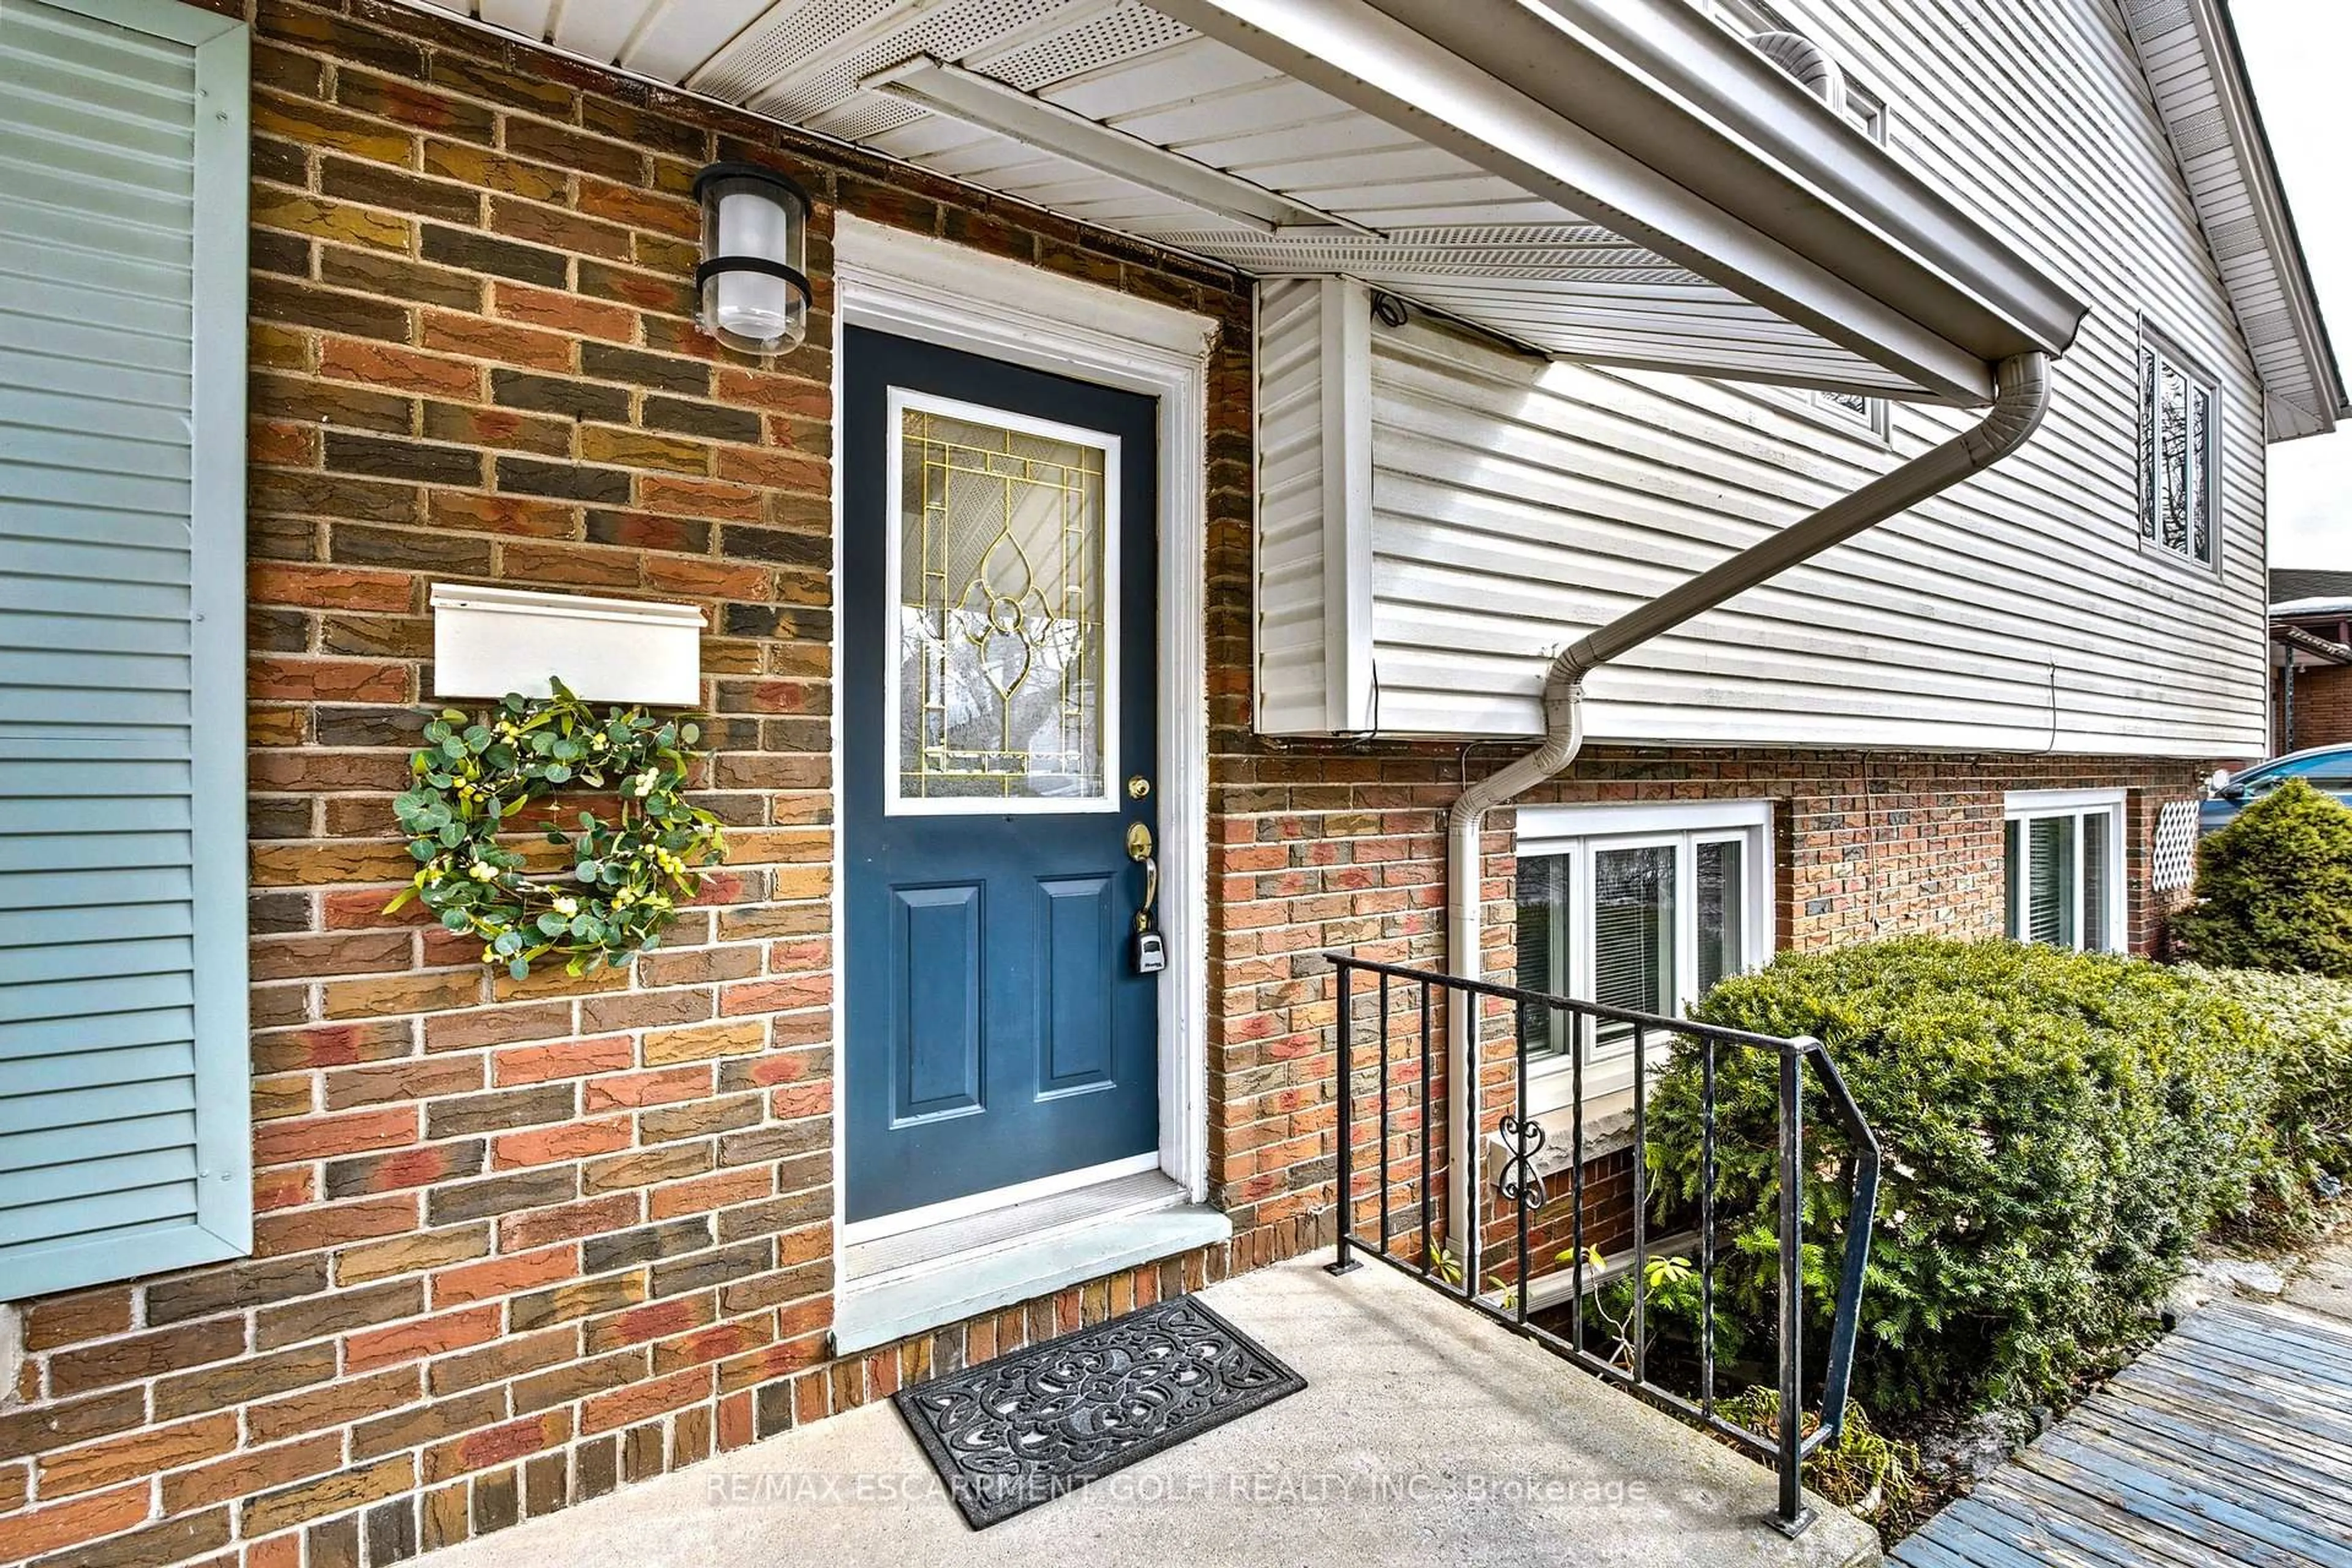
(2231,1442)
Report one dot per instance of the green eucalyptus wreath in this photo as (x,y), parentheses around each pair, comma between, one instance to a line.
(629,873)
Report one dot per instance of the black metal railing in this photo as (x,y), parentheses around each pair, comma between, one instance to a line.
(1425,1245)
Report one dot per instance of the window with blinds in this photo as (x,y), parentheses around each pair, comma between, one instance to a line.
(2051,881)
(1722,911)
(123,1072)
(1642,907)
(2062,857)
(1633,935)
(1542,951)
(2091,893)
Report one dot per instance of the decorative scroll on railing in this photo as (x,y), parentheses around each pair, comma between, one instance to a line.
(1446,1251)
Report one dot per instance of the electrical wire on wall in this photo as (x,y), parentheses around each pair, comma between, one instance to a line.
(1359,739)
(1869,843)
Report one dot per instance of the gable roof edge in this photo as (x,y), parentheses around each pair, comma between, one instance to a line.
(2268,284)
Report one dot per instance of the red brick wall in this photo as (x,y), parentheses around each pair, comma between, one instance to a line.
(517,1244)
(1330,846)
(2323,709)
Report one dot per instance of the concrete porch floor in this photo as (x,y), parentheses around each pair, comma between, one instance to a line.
(1424,1435)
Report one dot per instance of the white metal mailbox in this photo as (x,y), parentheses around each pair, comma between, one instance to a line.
(487,642)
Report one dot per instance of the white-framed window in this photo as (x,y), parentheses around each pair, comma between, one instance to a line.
(1640,907)
(1866,108)
(2179,413)
(1868,112)
(1866,412)
(2062,857)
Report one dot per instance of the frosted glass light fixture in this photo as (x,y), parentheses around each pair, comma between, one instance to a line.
(755,294)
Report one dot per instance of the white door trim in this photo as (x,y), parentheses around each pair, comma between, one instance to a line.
(915,286)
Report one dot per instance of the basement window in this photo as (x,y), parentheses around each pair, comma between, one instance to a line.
(2179,426)
(2062,855)
(1638,907)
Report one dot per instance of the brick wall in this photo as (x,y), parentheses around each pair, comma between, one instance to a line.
(2323,709)
(517,1245)
(1322,846)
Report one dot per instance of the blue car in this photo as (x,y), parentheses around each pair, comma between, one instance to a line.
(2327,768)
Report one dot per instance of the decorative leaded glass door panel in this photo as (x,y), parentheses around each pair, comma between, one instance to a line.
(997,716)
(1004,693)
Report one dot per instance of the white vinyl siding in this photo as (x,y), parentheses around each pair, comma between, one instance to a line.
(123,1081)
(1314,457)
(1516,503)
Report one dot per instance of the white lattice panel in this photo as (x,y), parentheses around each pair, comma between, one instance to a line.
(2175,855)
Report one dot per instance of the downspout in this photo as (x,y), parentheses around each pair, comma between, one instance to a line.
(2021,395)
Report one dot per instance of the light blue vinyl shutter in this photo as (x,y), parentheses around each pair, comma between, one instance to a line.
(124,1135)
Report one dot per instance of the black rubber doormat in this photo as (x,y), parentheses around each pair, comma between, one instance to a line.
(1030,1426)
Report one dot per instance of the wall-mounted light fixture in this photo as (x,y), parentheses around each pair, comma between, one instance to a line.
(755,292)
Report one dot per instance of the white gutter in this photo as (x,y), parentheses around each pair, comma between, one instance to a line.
(2021,395)
(1893,234)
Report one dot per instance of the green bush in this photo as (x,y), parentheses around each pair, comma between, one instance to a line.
(2058,1129)
(1859,1469)
(2308,1021)
(2274,889)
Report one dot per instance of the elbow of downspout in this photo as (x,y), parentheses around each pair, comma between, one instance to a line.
(2021,397)
(1563,737)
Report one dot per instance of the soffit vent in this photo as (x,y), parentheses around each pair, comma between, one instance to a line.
(1099,41)
(1585,254)
(950,33)
(1806,63)
(1527,240)
(869,116)
(780,40)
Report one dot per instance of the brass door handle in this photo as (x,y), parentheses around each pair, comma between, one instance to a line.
(1138,849)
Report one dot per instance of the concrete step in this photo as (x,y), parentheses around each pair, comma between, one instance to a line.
(1425,1436)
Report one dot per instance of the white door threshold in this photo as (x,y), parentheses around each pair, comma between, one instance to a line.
(898,1285)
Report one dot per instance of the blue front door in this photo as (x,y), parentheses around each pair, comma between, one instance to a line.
(999,529)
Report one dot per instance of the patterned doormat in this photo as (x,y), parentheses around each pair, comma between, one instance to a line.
(1027,1428)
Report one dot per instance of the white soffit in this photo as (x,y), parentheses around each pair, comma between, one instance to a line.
(2199,80)
(1261,140)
